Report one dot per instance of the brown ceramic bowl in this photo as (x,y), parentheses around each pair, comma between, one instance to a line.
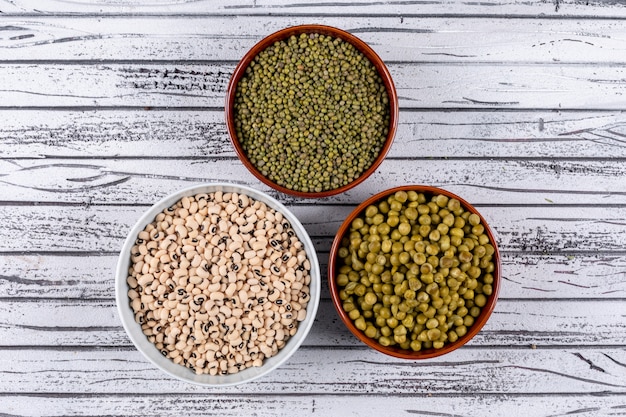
(334,264)
(329,31)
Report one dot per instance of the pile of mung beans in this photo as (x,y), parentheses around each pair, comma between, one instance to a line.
(219,282)
(415,270)
(311,113)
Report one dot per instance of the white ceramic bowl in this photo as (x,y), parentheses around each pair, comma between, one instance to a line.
(149,350)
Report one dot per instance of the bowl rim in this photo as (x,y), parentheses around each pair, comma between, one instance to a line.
(365,49)
(149,350)
(397,352)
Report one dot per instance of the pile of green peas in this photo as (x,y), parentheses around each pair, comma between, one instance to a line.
(415,270)
(311,113)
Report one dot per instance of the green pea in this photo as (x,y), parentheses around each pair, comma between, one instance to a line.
(378,218)
(357,223)
(383,229)
(433,334)
(420,284)
(393,221)
(395,205)
(404,228)
(465,256)
(474,219)
(384,340)
(419,258)
(386,331)
(404,257)
(370,331)
(371,211)
(377,269)
(487,289)
(370,298)
(359,323)
(354,314)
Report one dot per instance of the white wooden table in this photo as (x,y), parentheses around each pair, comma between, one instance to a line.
(519,107)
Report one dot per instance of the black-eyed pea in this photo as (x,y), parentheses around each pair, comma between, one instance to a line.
(291,262)
(192,225)
(301,257)
(279,286)
(133,295)
(223,268)
(135,304)
(138,264)
(274,295)
(145,280)
(266,350)
(267,263)
(232,287)
(217,296)
(242,295)
(226,311)
(195,279)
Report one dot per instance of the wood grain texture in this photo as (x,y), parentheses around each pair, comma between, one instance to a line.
(202,133)
(569,322)
(331,371)
(410,405)
(548,230)
(422,85)
(526,276)
(519,107)
(517,181)
(569,8)
(450,40)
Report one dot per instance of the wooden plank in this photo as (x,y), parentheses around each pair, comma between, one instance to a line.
(198,134)
(262,7)
(453,39)
(423,85)
(268,405)
(330,371)
(517,323)
(85,276)
(481,181)
(548,230)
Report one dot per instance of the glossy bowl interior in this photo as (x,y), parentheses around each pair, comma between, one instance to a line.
(330,31)
(333,266)
(149,350)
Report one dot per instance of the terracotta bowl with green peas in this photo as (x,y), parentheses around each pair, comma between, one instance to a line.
(414,272)
(311,110)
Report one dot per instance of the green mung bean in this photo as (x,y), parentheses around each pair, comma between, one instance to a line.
(311,113)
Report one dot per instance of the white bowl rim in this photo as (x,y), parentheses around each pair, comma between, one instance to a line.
(149,350)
